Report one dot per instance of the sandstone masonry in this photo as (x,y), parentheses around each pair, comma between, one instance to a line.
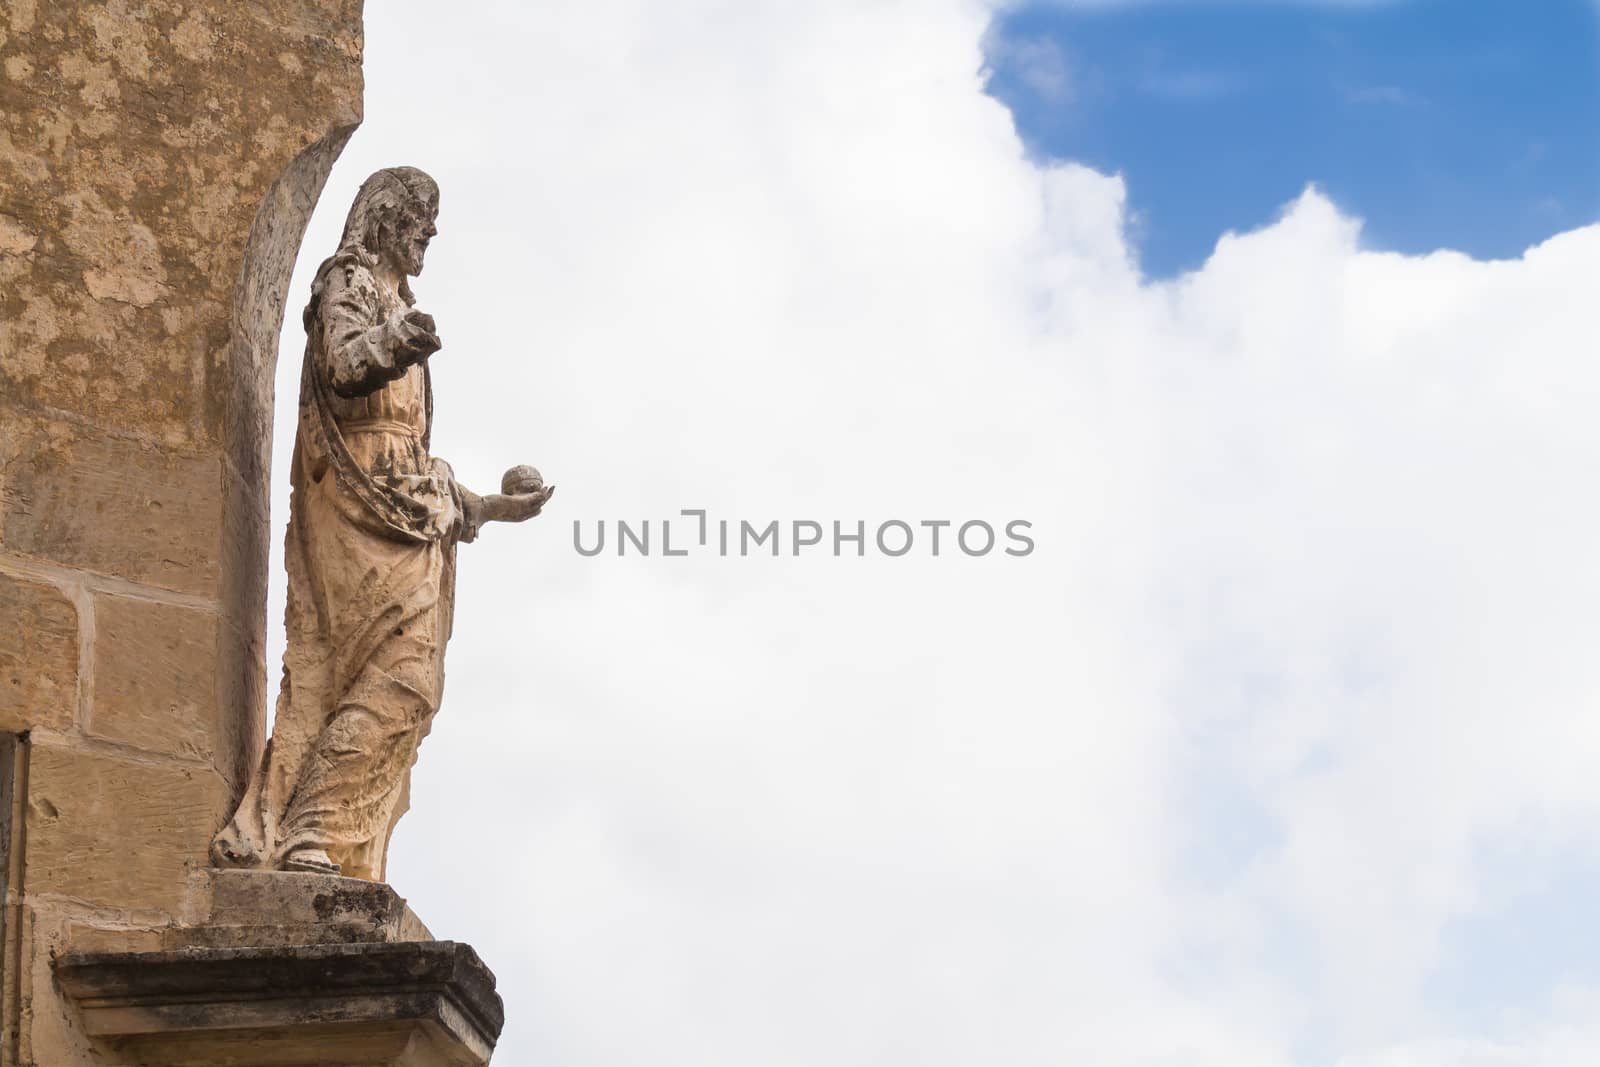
(158,162)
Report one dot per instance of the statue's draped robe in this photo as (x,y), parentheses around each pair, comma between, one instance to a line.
(370,553)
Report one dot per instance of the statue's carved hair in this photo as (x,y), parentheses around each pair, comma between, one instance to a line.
(374,221)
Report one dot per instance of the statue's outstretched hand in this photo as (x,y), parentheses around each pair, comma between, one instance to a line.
(523,495)
(518,507)
(504,507)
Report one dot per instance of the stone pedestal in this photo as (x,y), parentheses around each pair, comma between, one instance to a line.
(289,970)
(273,909)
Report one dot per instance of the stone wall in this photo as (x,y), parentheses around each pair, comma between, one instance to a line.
(158,162)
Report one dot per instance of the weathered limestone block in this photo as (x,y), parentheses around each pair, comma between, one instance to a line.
(38,656)
(115,506)
(115,832)
(155,668)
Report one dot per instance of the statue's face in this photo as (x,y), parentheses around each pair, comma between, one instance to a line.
(411,243)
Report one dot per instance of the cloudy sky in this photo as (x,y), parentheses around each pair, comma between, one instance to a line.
(1280,747)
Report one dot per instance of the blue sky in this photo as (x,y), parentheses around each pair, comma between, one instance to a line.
(1467,124)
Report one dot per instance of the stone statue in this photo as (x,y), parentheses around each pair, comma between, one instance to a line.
(373,525)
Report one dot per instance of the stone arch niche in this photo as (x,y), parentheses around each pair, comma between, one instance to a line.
(259,300)
(158,165)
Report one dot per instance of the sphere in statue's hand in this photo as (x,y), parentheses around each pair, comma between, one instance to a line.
(521,480)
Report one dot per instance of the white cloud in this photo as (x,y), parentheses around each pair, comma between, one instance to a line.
(1315,543)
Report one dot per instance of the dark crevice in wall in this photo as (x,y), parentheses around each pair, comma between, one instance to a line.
(13,827)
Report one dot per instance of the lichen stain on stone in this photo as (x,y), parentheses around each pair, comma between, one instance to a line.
(132,271)
(15,238)
(194,37)
(56,133)
(123,36)
(130,287)
(24,340)
(176,319)
(97,82)
(28,166)
(22,15)
(202,131)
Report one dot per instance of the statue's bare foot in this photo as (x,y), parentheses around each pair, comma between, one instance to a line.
(311,860)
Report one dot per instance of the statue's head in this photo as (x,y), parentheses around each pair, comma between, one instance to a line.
(392,218)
